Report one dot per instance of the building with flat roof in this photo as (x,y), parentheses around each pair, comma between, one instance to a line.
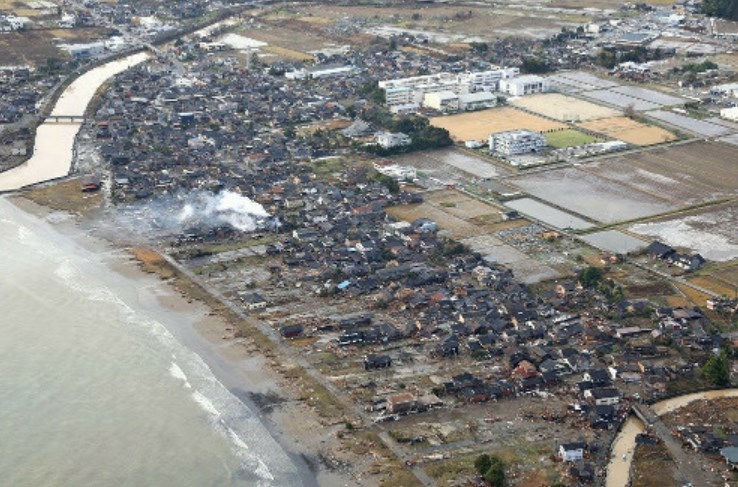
(389,139)
(477,101)
(443,101)
(524,85)
(516,142)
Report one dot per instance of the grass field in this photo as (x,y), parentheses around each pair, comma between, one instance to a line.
(629,130)
(479,125)
(563,108)
(569,138)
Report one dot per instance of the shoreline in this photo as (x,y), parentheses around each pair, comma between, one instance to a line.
(236,364)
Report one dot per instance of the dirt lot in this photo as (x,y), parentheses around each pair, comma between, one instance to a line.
(479,125)
(447,19)
(564,108)
(630,131)
(652,467)
(451,210)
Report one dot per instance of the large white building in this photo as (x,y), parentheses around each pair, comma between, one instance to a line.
(524,85)
(389,139)
(443,101)
(414,89)
(515,142)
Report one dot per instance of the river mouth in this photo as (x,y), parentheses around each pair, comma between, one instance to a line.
(623,447)
(53,152)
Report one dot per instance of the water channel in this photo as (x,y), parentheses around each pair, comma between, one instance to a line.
(53,151)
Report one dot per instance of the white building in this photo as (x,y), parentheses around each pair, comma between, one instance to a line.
(401,95)
(524,85)
(487,80)
(84,51)
(477,101)
(571,452)
(389,140)
(414,89)
(516,142)
(328,70)
(443,101)
(730,113)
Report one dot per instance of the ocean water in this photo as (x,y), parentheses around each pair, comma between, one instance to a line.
(94,392)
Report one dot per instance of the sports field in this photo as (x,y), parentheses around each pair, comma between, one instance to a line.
(564,108)
(628,130)
(479,125)
(568,138)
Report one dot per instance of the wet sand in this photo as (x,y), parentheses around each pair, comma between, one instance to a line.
(244,372)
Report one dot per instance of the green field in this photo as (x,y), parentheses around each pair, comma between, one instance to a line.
(568,138)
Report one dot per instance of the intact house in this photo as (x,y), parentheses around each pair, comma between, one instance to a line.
(572,452)
(603,396)
(388,140)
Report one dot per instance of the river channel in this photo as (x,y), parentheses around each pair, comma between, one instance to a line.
(53,151)
(618,470)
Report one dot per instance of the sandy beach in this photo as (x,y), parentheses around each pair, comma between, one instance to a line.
(236,362)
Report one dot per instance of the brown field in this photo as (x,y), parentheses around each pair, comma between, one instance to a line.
(563,108)
(479,125)
(455,212)
(630,131)
(715,285)
(31,47)
(485,22)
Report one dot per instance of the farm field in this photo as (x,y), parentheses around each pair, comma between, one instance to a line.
(620,100)
(479,125)
(592,196)
(712,232)
(451,166)
(630,131)
(576,81)
(569,138)
(682,175)
(563,108)
(698,127)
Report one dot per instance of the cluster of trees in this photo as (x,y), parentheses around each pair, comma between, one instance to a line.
(699,67)
(726,9)
(373,92)
(424,136)
(534,65)
(491,468)
(609,57)
(594,277)
(717,369)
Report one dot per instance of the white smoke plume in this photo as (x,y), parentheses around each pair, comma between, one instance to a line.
(226,207)
(168,215)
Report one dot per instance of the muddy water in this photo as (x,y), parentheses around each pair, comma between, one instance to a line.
(53,151)
(618,470)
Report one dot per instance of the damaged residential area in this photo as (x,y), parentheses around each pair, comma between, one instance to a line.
(478,244)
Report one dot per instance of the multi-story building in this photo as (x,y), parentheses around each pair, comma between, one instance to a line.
(524,85)
(414,89)
(515,142)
